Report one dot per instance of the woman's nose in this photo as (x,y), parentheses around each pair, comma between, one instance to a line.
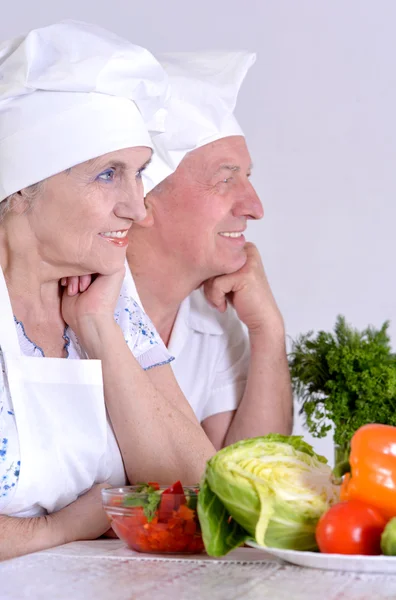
(132,205)
(148,221)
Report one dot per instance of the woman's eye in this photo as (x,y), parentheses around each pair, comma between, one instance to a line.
(107,175)
(139,173)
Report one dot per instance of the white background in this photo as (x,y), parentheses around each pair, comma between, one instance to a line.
(318,110)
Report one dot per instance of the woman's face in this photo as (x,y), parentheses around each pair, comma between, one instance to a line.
(81,218)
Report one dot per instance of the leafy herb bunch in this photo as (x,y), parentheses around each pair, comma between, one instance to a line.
(347,378)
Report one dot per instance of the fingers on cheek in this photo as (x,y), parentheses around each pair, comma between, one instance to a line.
(221,304)
(85,282)
(217,298)
(208,291)
(208,285)
(72,286)
(212,295)
(215,294)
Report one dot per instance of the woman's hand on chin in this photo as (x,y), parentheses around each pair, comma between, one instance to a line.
(88,305)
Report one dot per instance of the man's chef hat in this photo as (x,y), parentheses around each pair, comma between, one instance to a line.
(204,90)
(71,92)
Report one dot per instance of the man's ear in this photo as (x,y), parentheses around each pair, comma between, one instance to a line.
(19,202)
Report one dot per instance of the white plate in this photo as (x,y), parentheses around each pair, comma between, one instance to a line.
(333,562)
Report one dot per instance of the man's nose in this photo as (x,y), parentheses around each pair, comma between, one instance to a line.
(248,204)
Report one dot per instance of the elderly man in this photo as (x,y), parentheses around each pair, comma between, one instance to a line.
(202,285)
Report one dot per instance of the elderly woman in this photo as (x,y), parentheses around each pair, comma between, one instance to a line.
(74,106)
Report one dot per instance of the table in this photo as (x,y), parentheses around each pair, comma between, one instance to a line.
(106,570)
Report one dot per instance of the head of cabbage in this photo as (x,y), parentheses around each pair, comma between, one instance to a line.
(270,489)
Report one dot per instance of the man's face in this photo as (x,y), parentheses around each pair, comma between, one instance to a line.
(201,210)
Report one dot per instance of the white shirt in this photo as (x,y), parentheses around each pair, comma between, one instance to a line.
(211,351)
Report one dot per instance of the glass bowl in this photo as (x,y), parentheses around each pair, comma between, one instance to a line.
(155,519)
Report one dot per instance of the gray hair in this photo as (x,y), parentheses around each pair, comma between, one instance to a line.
(30,193)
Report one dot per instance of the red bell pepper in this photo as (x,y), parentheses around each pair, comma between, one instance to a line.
(176,488)
(171,500)
(154,485)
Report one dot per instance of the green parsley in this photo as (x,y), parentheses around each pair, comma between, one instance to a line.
(149,498)
(345,379)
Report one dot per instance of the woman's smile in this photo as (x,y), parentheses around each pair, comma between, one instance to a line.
(119,238)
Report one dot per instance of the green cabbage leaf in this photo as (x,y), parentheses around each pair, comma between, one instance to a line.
(271,489)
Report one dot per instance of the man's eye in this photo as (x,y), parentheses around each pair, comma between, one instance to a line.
(139,173)
(227,180)
(107,175)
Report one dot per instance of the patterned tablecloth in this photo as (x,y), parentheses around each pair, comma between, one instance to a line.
(106,570)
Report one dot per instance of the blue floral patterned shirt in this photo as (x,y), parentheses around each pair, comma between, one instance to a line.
(9,447)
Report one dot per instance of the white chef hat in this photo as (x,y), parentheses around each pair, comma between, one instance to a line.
(71,92)
(204,91)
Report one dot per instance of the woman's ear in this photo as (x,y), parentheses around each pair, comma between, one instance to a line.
(22,201)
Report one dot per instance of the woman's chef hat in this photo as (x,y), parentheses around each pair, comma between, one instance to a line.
(71,92)
(204,91)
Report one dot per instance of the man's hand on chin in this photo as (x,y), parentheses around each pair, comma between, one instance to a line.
(249,292)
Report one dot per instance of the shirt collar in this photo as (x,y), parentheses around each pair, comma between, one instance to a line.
(202,316)
(195,314)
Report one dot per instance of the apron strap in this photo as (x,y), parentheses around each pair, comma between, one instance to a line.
(8,333)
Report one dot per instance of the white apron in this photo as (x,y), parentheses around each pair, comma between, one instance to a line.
(66,443)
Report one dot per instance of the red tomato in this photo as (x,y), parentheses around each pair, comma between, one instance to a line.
(351,527)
